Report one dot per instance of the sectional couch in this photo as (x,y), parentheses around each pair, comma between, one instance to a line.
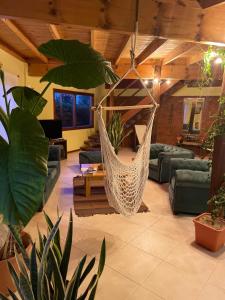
(53,171)
(160,155)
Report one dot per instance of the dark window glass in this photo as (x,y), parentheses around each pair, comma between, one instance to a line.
(83,110)
(74,109)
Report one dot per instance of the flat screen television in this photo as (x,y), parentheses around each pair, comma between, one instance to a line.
(52,128)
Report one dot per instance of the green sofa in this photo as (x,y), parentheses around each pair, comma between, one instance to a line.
(189,185)
(159,164)
(90,157)
(53,171)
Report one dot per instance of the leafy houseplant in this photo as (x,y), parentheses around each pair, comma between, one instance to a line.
(116,131)
(210,227)
(43,274)
(24,154)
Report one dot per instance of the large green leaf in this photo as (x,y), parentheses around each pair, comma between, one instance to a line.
(83,67)
(23,168)
(28,99)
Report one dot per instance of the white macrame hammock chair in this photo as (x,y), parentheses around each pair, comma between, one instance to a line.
(124,183)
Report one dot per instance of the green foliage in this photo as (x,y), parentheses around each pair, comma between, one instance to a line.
(23,160)
(217,203)
(83,67)
(116,131)
(45,277)
(28,99)
(218,125)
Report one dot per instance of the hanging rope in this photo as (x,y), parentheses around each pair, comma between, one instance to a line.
(124,183)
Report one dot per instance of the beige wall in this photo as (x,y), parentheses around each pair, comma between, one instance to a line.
(75,138)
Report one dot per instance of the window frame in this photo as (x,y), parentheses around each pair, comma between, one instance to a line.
(196,99)
(75,93)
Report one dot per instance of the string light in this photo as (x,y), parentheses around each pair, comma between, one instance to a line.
(168,81)
(218,60)
(146,81)
(213,54)
(156,80)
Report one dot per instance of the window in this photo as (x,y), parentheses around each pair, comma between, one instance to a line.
(192,115)
(74,109)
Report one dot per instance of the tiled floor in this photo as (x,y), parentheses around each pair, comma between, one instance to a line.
(150,256)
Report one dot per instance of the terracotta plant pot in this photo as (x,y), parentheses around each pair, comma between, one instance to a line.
(207,236)
(6,281)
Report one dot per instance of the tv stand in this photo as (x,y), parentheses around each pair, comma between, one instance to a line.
(63,143)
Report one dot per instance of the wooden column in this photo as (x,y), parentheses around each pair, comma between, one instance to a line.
(218,160)
(156,95)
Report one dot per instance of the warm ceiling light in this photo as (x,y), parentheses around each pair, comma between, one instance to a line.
(168,81)
(218,60)
(156,80)
(213,54)
(146,81)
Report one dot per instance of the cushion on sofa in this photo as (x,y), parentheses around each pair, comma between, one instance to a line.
(189,178)
(153,163)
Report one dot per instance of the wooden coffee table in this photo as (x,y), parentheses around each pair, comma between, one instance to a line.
(88,178)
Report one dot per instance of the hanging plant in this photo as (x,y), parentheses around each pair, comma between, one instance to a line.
(218,125)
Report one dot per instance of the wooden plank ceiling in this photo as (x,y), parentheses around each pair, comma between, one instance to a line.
(172,33)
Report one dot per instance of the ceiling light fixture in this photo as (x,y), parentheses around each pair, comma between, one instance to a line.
(218,60)
(156,80)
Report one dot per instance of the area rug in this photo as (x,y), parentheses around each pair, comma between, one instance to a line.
(97,203)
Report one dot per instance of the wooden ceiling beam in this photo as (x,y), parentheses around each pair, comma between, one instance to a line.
(18,32)
(125,44)
(166,86)
(210,3)
(169,20)
(55,32)
(172,72)
(149,50)
(11,51)
(178,52)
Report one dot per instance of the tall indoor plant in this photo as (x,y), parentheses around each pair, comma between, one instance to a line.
(23,159)
(210,227)
(116,131)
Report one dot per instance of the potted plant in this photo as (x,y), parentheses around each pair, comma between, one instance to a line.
(43,275)
(116,131)
(24,151)
(210,227)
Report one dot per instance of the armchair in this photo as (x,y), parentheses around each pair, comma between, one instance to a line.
(160,156)
(189,185)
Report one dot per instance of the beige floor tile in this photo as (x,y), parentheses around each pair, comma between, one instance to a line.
(172,283)
(133,263)
(144,219)
(114,286)
(143,294)
(218,276)
(211,292)
(192,261)
(175,227)
(90,240)
(155,243)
